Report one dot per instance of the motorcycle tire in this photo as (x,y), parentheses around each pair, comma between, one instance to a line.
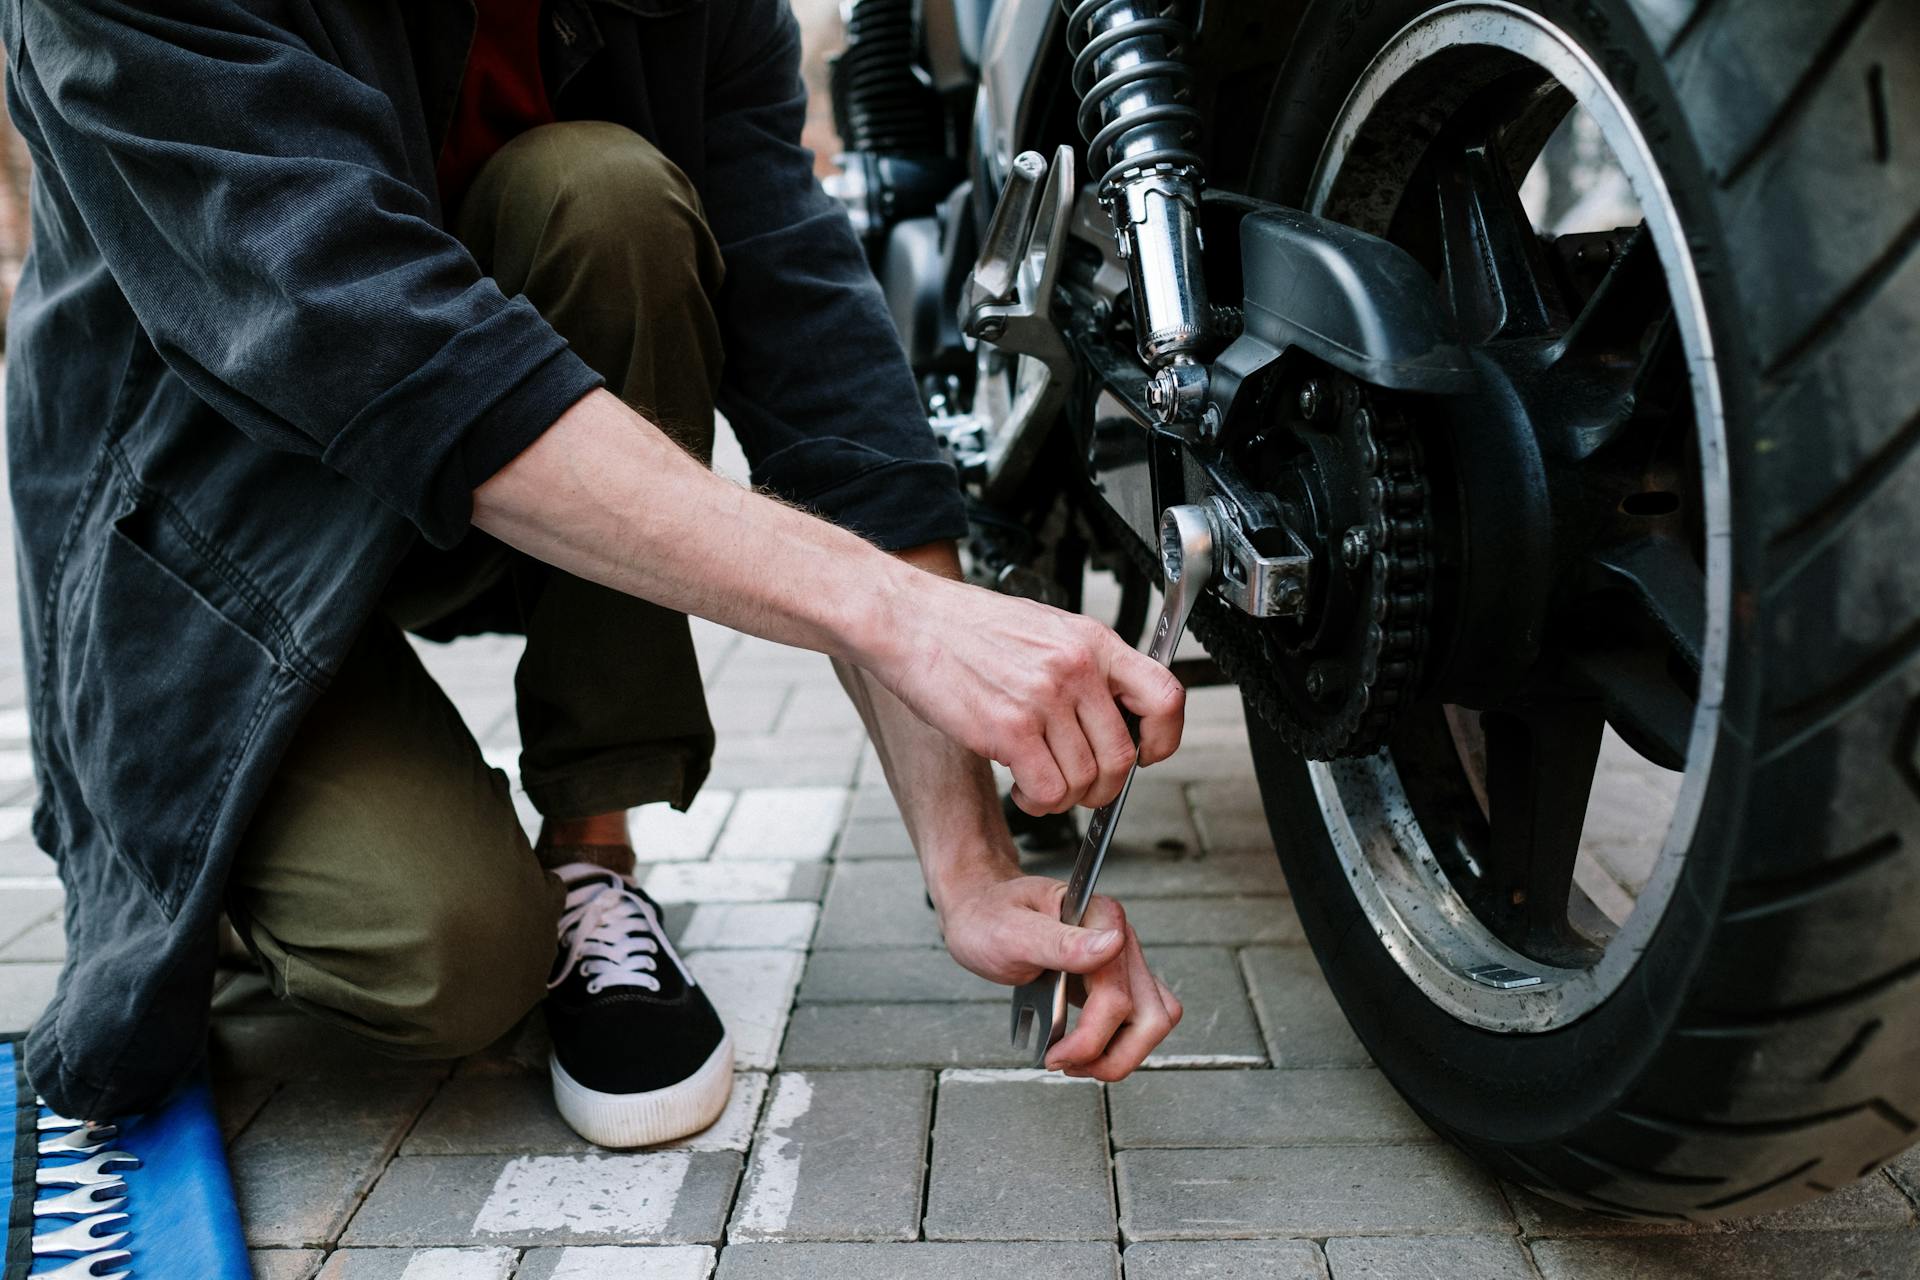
(1765,1047)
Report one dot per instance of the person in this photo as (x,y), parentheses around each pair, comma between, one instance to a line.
(345,321)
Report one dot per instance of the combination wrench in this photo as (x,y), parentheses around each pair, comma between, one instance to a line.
(1186,561)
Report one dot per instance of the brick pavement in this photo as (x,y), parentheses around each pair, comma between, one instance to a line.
(880,1127)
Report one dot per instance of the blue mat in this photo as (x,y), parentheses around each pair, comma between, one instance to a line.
(148,1198)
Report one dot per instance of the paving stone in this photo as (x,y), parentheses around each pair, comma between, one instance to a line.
(734,881)
(841,1155)
(666,1197)
(796,823)
(1781,1255)
(26,902)
(25,989)
(1539,1216)
(1020,1160)
(878,904)
(1906,1172)
(312,1152)
(900,1035)
(1231,819)
(873,802)
(1870,1203)
(1304,1191)
(292,1046)
(20,858)
(660,833)
(1035,1261)
(1307,1107)
(284,1264)
(893,975)
(1220,921)
(730,925)
(1132,873)
(15,821)
(1298,1015)
(787,759)
(513,1114)
(237,1102)
(881,838)
(1217,1028)
(474,1263)
(617,1262)
(46,941)
(814,708)
(749,709)
(1428,1258)
(753,990)
(1229,1260)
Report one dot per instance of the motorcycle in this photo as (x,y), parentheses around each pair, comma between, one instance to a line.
(1506,507)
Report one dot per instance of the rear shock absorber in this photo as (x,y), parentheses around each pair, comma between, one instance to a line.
(1135,89)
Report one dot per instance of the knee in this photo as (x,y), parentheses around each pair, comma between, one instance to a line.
(448,984)
(608,203)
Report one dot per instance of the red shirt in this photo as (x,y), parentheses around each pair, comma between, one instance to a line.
(501,95)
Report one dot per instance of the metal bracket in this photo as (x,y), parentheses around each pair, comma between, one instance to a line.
(1263,585)
(1007,304)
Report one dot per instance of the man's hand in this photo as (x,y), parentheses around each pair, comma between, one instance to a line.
(1009,931)
(1032,687)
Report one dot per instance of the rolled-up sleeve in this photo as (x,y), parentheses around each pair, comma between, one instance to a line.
(817,387)
(253,201)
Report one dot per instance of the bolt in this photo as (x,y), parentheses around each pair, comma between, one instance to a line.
(1316,683)
(1210,423)
(990,327)
(1354,547)
(1309,399)
(1289,596)
(1162,391)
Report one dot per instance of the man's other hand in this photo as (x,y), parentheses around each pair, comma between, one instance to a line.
(1009,931)
(1032,687)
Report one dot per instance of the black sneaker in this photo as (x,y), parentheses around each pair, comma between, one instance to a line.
(639,1055)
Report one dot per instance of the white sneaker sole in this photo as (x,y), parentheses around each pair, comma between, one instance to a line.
(642,1119)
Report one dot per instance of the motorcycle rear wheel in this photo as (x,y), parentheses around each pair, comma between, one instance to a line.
(1754,1038)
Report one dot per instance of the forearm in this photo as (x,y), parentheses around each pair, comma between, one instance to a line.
(608,497)
(946,794)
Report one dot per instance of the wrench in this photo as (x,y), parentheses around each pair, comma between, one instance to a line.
(1186,560)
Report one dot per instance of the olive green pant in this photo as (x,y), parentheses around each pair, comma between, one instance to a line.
(386,884)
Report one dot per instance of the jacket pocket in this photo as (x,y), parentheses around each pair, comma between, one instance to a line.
(162,694)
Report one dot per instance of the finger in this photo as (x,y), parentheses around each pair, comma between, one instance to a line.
(1073,755)
(1037,785)
(1109,1005)
(1150,1024)
(1106,731)
(1155,695)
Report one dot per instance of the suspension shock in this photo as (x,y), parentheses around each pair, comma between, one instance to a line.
(1135,88)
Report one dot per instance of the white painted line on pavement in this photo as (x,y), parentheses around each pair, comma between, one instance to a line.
(775,1177)
(620,1262)
(459,1264)
(607,1195)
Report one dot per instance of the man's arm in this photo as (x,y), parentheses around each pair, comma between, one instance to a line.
(1001,924)
(607,496)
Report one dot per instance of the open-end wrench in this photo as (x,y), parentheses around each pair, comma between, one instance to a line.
(1186,560)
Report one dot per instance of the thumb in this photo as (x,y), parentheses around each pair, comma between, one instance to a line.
(1070,949)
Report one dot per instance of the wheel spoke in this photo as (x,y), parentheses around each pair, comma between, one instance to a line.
(1667,581)
(1540,767)
(1642,700)
(1495,271)
(1630,300)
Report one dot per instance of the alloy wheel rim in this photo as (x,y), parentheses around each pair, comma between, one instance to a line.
(1401,882)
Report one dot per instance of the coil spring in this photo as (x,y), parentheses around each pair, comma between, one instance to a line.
(1146,29)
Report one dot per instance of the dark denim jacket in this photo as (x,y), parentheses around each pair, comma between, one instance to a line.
(248,368)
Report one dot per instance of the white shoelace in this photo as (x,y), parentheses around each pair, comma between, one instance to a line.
(610,932)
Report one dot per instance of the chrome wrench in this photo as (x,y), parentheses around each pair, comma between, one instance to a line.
(1186,561)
